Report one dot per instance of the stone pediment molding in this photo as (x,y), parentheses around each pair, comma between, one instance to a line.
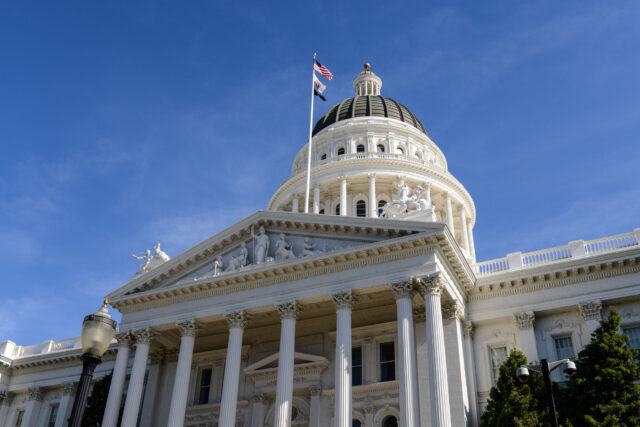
(380,240)
(572,272)
(305,365)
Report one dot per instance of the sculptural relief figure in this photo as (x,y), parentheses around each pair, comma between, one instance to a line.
(151,261)
(217,266)
(147,257)
(283,248)
(403,191)
(261,247)
(308,248)
(240,260)
(417,201)
(398,206)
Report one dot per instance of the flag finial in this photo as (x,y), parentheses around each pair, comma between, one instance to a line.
(367,66)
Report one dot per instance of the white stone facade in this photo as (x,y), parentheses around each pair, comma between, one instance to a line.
(320,319)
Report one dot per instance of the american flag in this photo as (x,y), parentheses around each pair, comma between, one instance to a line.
(322,69)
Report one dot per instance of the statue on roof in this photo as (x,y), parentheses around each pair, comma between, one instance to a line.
(158,258)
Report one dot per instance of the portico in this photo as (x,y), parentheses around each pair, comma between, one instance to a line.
(261,358)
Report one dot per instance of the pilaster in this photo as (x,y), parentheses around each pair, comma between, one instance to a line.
(592,314)
(524,321)
(453,315)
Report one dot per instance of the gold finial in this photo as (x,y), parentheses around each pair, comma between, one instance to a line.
(367,66)
(314,55)
(106,301)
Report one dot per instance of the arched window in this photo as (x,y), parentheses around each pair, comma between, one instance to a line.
(381,204)
(361,208)
(400,150)
(321,212)
(338,209)
(418,155)
(340,151)
(356,423)
(360,148)
(323,156)
(390,421)
(380,148)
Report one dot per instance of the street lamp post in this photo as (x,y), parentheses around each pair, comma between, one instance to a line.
(97,332)
(545,368)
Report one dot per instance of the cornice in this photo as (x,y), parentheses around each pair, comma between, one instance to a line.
(53,358)
(531,281)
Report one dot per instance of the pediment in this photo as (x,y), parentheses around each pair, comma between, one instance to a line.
(300,359)
(307,369)
(267,244)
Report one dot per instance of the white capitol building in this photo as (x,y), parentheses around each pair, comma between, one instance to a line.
(340,316)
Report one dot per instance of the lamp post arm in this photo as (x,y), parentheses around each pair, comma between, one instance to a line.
(556,364)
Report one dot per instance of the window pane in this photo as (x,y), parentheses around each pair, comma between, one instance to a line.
(381,148)
(564,348)
(360,149)
(361,208)
(355,423)
(340,151)
(634,336)
(390,421)
(381,204)
(19,418)
(53,415)
(498,356)
(338,209)
(387,362)
(205,384)
(356,368)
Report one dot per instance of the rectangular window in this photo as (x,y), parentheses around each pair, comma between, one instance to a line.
(19,418)
(634,338)
(387,362)
(498,356)
(356,365)
(205,386)
(564,350)
(53,414)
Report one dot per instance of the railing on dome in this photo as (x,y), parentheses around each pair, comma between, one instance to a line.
(367,156)
(574,250)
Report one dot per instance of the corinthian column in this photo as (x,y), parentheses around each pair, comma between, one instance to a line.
(344,301)
(236,320)
(403,292)
(112,408)
(32,410)
(316,199)
(591,313)
(188,329)
(343,196)
(284,389)
(524,321)
(142,337)
(447,202)
(373,208)
(438,386)
(5,403)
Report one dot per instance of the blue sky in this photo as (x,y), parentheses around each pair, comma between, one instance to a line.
(124,124)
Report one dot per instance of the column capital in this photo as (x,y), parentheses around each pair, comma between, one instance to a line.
(419,314)
(124,338)
(68,388)
(259,398)
(342,177)
(432,285)
(372,176)
(289,310)
(142,335)
(34,393)
(369,409)
(524,319)
(452,310)
(468,328)
(236,319)
(344,299)
(188,327)
(315,390)
(403,289)
(591,310)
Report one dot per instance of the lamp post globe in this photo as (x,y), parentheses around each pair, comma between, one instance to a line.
(97,332)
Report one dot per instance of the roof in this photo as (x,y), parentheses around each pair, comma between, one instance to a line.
(368,106)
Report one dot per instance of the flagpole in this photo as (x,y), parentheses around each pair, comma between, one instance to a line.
(306,197)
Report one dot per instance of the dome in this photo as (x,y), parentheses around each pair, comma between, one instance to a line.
(368,106)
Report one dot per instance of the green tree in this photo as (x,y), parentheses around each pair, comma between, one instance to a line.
(513,403)
(602,392)
(96,402)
